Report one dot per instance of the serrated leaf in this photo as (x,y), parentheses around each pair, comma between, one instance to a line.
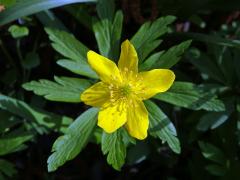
(65,89)
(172,55)
(67,45)
(69,145)
(9,144)
(212,153)
(108,34)
(147,37)
(205,64)
(78,68)
(191,96)
(33,114)
(113,146)
(165,59)
(162,127)
(150,61)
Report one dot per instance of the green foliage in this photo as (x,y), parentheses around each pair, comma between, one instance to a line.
(18,31)
(25,8)
(147,37)
(212,120)
(113,146)
(7,169)
(67,45)
(35,115)
(189,95)
(203,130)
(31,60)
(69,145)
(108,34)
(9,144)
(65,89)
(7,3)
(214,39)
(166,59)
(161,127)
(214,154)
(106,9)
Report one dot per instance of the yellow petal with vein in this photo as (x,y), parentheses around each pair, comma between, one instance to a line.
(106,69)
(137,120)
(112,117)
(156,81)
(128,58)
(96,95)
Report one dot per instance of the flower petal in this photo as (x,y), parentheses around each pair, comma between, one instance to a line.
(106,69)
(128,58)
(137,120)
(156,81)
(112,117)
(96,95)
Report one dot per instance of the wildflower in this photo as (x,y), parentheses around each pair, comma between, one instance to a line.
(122,89)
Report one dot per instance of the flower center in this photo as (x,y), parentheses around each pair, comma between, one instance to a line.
(125,90)
(119,92)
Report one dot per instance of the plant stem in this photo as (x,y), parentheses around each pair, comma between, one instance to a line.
(19,50)
(6,53)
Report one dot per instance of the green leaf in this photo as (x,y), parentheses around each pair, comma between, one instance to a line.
(205,64)
(7,168)
(212,120)
(6,121)
(48,19)
(78,68)
(26,8)
(147,37)
(65,89)
(138,153)
(31,60)
(81,15)
(150,61)
(113,146)
(236,57)
(69,145)
(67,45)
(161,127)
(216,170)
(211,39)
(18,31)
(9,144)
(165,59)
(106,9)
(7,3)
(172,56)
(108,35)
(191,96)
(35,115)
(212,153)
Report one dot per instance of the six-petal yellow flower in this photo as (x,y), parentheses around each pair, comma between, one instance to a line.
(122,90)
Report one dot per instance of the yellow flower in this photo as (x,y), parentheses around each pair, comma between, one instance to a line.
(122,90)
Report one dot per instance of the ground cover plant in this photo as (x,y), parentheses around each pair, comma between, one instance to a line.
(119,89)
